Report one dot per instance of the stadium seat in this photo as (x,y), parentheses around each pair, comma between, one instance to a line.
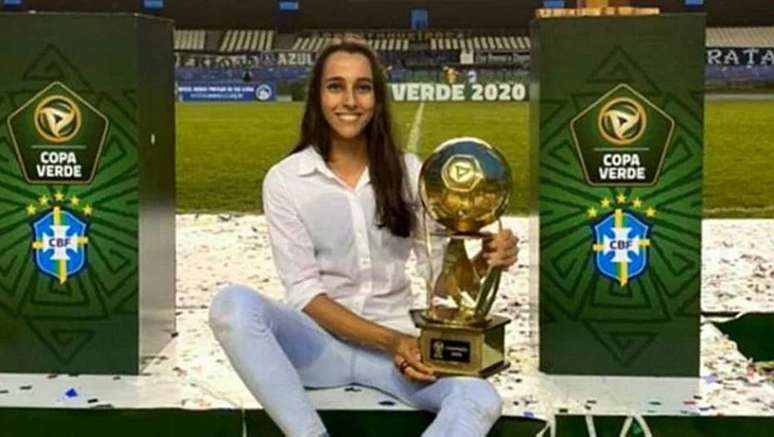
(379,40)
(246,40)
(740,36)
(189,39)
(255,40)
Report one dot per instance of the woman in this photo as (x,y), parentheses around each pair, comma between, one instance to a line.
(341,214)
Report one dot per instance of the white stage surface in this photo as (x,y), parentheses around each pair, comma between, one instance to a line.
(192,372)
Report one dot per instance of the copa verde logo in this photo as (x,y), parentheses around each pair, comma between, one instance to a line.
(622,138)
(622,121)
(57,119)
(58,136)
(462,173)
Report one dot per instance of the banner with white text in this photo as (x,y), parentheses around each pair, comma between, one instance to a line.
(459,92)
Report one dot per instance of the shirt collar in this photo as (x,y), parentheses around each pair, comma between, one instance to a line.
(311,161)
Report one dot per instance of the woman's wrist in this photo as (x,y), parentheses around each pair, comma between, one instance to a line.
(391,340)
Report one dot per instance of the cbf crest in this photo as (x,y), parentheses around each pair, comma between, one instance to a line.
(59,235)
(621,238)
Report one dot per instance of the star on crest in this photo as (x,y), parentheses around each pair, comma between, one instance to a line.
(57,200)
(605,204)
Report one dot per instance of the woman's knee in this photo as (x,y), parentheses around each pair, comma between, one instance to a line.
(484,396)
(236,306)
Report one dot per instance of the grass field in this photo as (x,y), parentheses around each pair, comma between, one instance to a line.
(225,149)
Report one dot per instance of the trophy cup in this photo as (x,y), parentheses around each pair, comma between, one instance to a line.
(464,186)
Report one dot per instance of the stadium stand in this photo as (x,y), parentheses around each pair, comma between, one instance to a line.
(740,36)
(731,66)
(247,40)
(420,56)
(313,43)
(403,40)
(190,39)
(383,41)
(505,42)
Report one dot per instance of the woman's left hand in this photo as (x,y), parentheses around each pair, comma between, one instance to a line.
(408,360)
(501,250)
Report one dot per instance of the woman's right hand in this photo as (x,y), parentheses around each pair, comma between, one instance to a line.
(408,360)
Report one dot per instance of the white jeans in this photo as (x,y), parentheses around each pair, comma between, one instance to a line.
(277,351)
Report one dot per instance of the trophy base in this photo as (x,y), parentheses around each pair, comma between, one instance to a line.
(455,350)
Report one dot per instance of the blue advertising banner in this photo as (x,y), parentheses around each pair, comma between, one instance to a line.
(259,92)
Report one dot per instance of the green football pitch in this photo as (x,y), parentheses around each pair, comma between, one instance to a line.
(225,149)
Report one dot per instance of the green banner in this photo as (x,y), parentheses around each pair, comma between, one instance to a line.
(69,184)
(617,126)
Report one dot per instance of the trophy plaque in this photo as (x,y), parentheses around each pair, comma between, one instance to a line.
(464,186)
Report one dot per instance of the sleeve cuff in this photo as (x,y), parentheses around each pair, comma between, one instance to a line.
(300,294)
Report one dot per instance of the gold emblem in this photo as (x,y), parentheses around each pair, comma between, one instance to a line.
(438,349)
(57,119)
(462,173)
(622,121)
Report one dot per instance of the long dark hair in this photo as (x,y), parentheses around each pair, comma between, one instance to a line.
(385,159)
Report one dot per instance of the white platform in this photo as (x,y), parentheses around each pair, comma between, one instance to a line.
(193,373)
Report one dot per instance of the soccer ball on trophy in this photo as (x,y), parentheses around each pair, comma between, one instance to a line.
(464,186)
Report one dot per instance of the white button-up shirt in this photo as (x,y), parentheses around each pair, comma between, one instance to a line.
(324,239)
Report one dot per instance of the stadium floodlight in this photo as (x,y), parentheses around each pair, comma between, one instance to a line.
(553,4)
(289,6)
(153,4)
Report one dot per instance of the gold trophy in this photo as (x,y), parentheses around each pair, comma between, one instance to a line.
(464,186)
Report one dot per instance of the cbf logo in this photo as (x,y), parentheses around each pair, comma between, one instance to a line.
(621,238)
(59,235)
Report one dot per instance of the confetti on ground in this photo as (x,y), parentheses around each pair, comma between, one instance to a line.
(213,251)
